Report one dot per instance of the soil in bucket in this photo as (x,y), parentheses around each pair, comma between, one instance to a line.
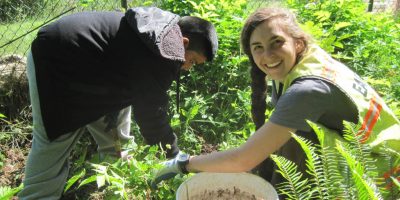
(225,194)
(225,186)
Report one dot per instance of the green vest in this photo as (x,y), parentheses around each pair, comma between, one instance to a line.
(380,127)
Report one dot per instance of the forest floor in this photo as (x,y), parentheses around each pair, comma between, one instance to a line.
(13,165)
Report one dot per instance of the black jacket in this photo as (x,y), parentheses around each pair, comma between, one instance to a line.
(94,63)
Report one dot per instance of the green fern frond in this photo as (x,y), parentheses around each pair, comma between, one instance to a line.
(349,191)
(389,186)
(318,131)
(340,167)
(364,184)
(335,170)
(396,182)
(333,165)
(362,152)
(386,163)
(294,187)
(7,192)
(315,168)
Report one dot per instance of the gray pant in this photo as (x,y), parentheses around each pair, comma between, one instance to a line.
(47,166)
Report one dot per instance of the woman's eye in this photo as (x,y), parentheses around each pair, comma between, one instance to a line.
(278,43)
(257,48)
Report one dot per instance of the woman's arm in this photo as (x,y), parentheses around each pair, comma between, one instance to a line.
(266,140)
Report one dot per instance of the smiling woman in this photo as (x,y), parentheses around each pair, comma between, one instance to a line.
(274,51)
(308,84)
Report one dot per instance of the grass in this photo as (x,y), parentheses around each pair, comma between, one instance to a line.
(12,31)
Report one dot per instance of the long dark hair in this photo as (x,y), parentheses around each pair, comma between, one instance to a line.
(258,77)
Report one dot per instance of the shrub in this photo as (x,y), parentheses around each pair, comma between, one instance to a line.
(13,10)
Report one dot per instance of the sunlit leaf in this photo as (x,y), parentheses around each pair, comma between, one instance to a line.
(88,180)
(74,178)
(341,25)
(100,180)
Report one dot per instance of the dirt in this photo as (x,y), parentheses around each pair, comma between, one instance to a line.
(13,154)
(88,192)
(12,172)
(208,148)
(225,194)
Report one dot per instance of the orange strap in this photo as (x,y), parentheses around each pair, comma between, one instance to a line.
(370,119)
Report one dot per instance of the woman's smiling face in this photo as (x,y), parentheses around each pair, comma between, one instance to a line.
(273,50)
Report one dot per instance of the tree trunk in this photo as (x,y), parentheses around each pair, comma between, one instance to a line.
(370,5)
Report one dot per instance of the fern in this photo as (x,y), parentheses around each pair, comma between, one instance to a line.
(360,151)
(396,182)
(315,168)
(7,192)
(389,185)
(340,167)
(333,165)
(365,185)
(294,187)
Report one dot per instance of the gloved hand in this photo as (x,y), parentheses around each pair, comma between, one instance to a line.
(171,168)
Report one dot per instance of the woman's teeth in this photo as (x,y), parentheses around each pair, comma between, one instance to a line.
(272,65)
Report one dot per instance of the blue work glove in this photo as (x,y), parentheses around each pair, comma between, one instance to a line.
(171,168)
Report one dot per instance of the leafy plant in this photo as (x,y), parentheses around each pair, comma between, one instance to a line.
(124,179)
(7,192)
(295,187)
(315,169)
(354,175)
(15,9)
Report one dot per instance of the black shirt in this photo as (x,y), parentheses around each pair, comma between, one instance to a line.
(94,63)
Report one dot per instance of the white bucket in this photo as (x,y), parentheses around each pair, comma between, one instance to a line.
(222,185)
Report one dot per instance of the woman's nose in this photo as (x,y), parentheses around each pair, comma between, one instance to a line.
(268,55)
(268,52)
